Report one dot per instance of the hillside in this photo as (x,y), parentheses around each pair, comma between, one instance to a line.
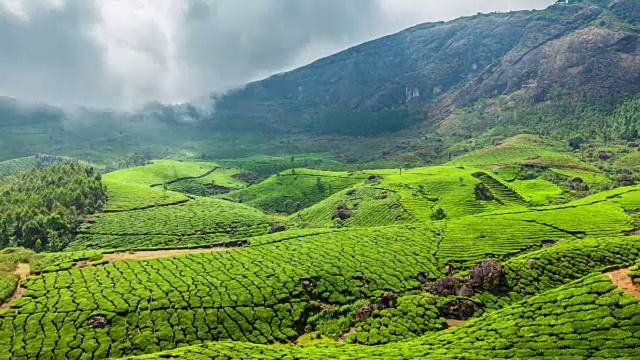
(587,50)
(419,96)
(494,255)
(459,190)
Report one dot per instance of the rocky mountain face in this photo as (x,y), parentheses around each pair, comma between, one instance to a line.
(588,50)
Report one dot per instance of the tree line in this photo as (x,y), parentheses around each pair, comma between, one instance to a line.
(41,208)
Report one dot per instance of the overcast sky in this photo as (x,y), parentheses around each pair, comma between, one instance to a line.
(123,53)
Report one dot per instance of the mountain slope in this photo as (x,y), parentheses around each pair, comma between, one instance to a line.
(582,49)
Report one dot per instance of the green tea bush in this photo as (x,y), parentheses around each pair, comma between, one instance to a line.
(293,190)
(549,325)
(367,206)
(198,222)
(126,196)
(260,293)
(538,271)
(15,166)
(414,315)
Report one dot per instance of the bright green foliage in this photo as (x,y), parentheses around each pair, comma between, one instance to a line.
(196,222)
(545,269)
(9,260)
(125,196)
(413,316)
(47,204)
(629,161)
(16,166)
(634,273)
(589,318)
(221,181)
(492,235)
(422,190)
(291,280)
(338,267)
(591,178)
(51,262)
(366,206)
(150,242)
(161,171)
(523,149)
(8,283)
(264,166)
(294,190)
(253,294)
(537,191)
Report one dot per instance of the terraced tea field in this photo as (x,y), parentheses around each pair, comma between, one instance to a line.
(295,189)
(312,264)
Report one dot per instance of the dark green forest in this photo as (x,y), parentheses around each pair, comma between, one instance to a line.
(41,208)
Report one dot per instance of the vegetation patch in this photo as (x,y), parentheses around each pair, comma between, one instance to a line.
(42,208)
(294,190)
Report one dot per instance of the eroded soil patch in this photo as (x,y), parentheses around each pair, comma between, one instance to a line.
(624,282)
(453,322)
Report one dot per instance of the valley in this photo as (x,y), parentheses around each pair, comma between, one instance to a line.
(462,189)
(315,264)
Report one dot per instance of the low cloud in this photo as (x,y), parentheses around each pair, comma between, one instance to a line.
(124,53)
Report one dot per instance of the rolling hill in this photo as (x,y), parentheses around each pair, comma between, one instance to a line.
(503,269)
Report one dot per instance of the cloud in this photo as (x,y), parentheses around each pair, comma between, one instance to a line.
(123,53)
(48,54)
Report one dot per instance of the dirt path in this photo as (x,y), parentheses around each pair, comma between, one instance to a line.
(624,282)
(452,322)
(147,255)
(186,178)
(23,271)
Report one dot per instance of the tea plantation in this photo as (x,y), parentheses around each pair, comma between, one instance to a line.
(496,254)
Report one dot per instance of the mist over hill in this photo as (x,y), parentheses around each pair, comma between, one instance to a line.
(430,88)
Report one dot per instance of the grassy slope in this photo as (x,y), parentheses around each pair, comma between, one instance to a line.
(523,149)
(294,190)
(267,278)
(14,166)
(201,221)
(160,172)
(631,160)
(264,292)
(588,318)
(138,215)
(127,196)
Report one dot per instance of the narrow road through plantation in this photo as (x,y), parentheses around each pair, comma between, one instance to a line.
(148,255)
(624,282)
(23,271)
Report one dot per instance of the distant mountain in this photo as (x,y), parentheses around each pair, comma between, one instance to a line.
(431,91)
(588,50)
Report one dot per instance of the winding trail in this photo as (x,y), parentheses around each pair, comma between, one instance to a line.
(624,282)
(148,255)
(186,178)
(23,271)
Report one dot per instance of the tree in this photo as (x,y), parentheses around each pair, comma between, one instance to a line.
(576,141)
(319,184)
(439,214)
